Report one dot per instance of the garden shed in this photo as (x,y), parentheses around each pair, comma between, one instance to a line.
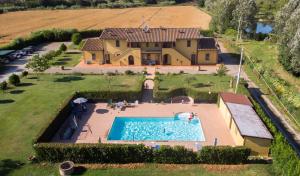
(246,127)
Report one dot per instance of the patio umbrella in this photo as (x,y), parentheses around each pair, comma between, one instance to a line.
(80,100)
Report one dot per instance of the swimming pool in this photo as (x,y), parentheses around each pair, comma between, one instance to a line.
(155,129)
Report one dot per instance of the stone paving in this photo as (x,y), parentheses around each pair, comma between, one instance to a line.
(95,124)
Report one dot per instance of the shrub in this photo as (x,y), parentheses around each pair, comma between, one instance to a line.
(207,33)
(24,73)
(174,155)
(3,85)
(201,3)
(224,155)
(53,35)
(130,153)
(129,72)
(63,47)
(222,70)
(14,79)
(150,1)
(76,38)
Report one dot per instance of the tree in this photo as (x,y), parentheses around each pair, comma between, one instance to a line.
(76,38)
(287,27)
(14,79)
(38,64)
(245,12)
(3,85)
(201,3)
(63,47)
(223,16)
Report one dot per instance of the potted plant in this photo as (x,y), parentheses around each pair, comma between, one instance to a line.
(66,168)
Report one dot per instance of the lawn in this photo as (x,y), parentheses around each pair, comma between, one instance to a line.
(69,58)
(24,110)
(204,83)
(154,170)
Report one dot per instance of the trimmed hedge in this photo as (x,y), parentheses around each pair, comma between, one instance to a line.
(130,153)
(224,155)
(93,153)
(199,96)
(53,35)
(61,115)
(114,95)
(285,159)
(174,155)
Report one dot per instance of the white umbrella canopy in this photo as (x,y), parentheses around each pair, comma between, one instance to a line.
(80,100)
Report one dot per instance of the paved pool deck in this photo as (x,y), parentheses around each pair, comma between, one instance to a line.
(97,121)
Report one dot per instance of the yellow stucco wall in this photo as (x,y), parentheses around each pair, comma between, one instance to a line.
(258,146)
(122,60)
(181,46)
(87,57)
(180,55)
(213,57)
(177,58)
(238,139)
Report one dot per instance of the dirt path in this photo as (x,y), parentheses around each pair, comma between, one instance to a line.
(274,114)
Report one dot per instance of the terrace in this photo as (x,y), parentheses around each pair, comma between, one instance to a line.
(96,123)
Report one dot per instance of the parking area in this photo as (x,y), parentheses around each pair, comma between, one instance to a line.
(16,61)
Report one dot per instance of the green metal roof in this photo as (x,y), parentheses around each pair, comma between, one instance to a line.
(5,52)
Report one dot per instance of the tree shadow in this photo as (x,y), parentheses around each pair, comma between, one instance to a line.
(26,84)
(79,170)
(17,91)
(8,165)
(69,79)
(102,111)
(120,85)
(6,101)
(33,77)
(200,85)
(62,61)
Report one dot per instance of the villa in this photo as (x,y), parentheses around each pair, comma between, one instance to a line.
(151,46)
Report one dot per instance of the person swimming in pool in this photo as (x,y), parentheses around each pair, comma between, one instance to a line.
(191,116)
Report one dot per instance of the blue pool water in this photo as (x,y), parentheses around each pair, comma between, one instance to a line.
(155,129)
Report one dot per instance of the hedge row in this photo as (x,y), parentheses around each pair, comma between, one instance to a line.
(53,126)
(199,96)
(285,159)
(53,35)
(130,153)
(64,111)
(114,95)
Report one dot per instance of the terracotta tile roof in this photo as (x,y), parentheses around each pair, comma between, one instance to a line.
(152,35)
(207,43)
(235,98)
(92,45)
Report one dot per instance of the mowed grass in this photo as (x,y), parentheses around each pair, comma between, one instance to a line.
(26,109)
(204,83)
(154,170)
(19,24)
(70,59)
